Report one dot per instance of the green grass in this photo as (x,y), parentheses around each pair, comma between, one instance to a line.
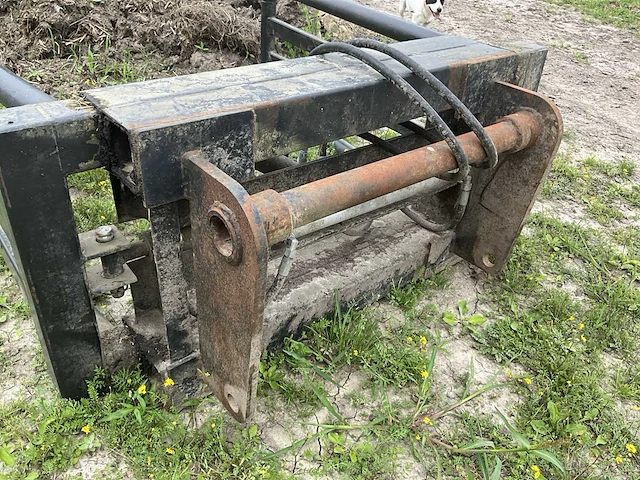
(129,414)
(395,358)
(93,203)
(561,340)
(621,13)
(602,188)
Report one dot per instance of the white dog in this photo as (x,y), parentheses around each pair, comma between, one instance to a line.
(422,11)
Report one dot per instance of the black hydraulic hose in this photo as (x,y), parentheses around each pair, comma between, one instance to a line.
(458,210)
(432,116)
(418,217)
(441,89)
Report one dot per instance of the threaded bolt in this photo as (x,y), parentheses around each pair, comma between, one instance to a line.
(104,234)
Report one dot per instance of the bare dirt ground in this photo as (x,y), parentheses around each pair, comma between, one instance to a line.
(46,41)
(592,73)
(592,70)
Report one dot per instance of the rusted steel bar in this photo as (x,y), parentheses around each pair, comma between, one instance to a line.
(282,212)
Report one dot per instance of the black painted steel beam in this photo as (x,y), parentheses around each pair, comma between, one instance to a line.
(15,91)
(295,36)
(37,144)
(164,118)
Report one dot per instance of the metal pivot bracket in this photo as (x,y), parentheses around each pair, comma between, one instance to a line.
(230,256)
(502,198)
(233,230)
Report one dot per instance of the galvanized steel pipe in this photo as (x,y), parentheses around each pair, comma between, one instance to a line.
(282,213)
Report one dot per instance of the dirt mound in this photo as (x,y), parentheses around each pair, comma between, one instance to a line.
(51,28)
(68,45)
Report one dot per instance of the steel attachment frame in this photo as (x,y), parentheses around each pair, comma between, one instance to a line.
(234,261)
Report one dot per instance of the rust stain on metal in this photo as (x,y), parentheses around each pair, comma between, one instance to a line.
(482,59)
(218,111)
(502,199)
(307,203)
(230,258)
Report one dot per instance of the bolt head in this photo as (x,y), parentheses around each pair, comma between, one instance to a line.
(104,234)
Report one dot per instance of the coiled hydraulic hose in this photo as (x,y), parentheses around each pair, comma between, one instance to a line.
(352,48)
(432,116)
(439,87)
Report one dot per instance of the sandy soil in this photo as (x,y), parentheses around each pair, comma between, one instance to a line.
(592,70)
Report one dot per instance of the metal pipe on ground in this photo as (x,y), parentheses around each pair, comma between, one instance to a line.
(14,91)
(383,23)
(282,213)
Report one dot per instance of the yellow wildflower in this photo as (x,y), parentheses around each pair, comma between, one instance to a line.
(536,471)
(569,382)
(213,424)
(170,451)
(423,340)
(262,472)
(142,389)
(418,437)
(207,374)
(409,339)
(571,318)
(508,373)
(86,429)
(427,421)
(527,380)
(631,448)
(619,459)
(635,407)
(102,217)
(583,338)
(586,175)
(424,374)
(355,353)
(581,325)
(168,382)
(102,182)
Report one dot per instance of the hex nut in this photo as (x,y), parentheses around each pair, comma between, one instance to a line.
(104,234)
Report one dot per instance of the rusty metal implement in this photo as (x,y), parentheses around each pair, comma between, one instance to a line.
(245,245)
(236,230)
